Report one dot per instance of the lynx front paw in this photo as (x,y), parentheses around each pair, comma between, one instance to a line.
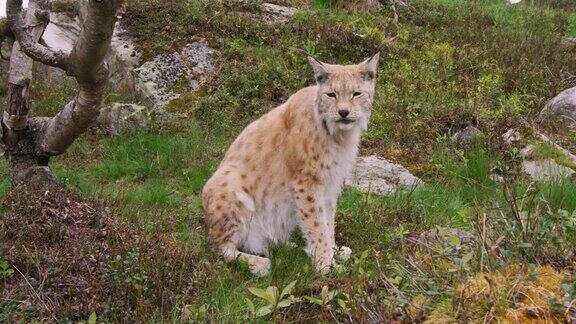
(343,253)
(260,266)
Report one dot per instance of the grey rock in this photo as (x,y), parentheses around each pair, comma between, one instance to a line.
(511,136)
(169,75)
(123,58)
(120,116)
(527,151)
(60,35)
(61,32)
(275,14)
(568,41)
(376,175)
(467,136)
(562,106)
(546,169)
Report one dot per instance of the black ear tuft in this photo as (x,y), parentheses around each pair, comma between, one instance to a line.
(369,67)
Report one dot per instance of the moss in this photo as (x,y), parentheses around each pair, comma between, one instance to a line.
(64,6)
(186,103)
(3,89)
(4,29)
(548,151)
(180,85)
(490,293)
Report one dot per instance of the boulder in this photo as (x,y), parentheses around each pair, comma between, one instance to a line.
(168,76)
(375,175)
(121,116)
(562,106)
(546,169)
(275,14)
(61,34)
(123,58)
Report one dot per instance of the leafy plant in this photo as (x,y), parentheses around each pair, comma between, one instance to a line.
(274,300)
(570,289)
(127,272)
(360,262)
(326,297)
(92,319)
(6,270)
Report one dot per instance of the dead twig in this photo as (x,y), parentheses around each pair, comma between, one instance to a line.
(36,294)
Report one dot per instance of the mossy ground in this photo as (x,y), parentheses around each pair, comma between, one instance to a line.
(444,65)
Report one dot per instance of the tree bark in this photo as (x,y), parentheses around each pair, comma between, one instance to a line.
(31,142)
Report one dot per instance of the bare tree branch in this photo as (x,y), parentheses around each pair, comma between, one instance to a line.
(15,118)
(29,46)
(86,61)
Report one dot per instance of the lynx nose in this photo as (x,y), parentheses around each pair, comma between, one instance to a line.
(343,113)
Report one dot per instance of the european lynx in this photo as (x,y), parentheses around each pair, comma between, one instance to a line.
(287,169)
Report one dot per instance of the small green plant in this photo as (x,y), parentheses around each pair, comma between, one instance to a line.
(127,272)
(273,299)
(455,251)
(359,262)
(6,270)
(193,312)
(570,290)
(93,318)
(534,227)
(327,297)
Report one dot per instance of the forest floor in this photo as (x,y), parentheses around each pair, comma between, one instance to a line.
(502,250)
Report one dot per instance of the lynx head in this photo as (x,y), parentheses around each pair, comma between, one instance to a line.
(345,93)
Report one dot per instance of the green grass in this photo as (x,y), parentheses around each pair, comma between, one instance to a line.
(4,179)
(450,63)
(560,194)
(446,65)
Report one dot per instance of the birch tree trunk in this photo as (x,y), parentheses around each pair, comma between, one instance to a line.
(30,142)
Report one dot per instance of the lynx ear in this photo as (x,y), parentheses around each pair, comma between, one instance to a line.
(370,66)
(320,73)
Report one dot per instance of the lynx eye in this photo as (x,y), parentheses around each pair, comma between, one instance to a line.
(331,94)
(356,94)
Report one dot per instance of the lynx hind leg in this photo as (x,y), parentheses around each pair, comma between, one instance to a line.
(259,266)
(225,208)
